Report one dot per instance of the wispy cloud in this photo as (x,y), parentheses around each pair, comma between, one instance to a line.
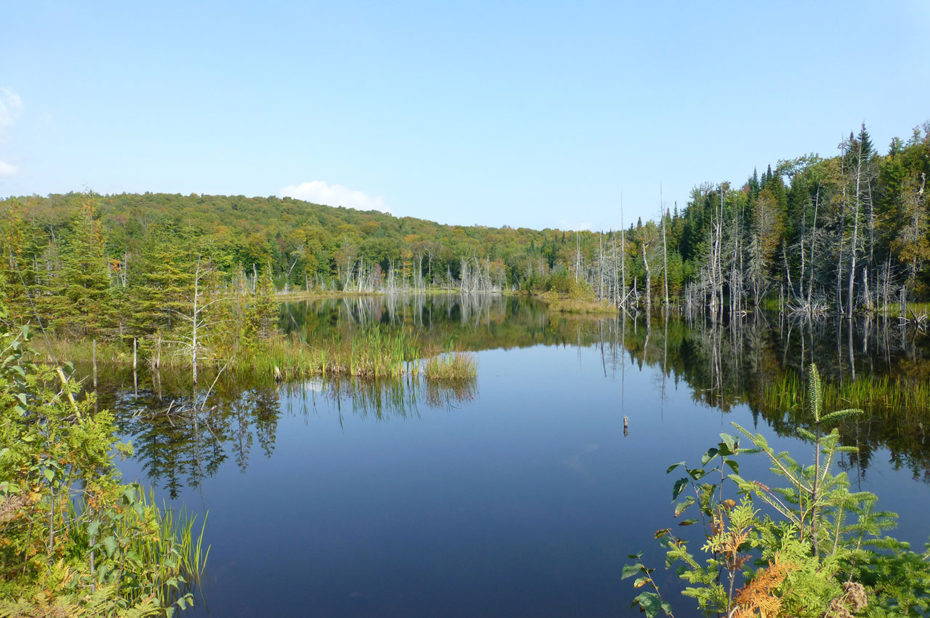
(575,227)
(321,192)
(7,170)
(11,106)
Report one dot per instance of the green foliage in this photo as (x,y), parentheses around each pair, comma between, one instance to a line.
(161,281)
(453,366)
(809,548)
(73,540)
(85,302)
(261,311)
(565,283)
(794,237)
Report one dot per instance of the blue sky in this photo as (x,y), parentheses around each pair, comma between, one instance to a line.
(534,114)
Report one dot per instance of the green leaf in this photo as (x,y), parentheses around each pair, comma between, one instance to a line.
(629,570)
(10,488)
(673,466)
(729,440)
(680,484)
(740,482)
(709,455)
(840,414)
(697,473)
(734,465)
(651,604)
(93,527)
(49,474)
(109,543)
(684,504)
(807,435)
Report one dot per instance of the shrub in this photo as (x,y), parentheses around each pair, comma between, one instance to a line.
(809,548)
(73,539)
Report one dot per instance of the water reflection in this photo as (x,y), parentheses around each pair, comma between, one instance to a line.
(180,442)
(880,365)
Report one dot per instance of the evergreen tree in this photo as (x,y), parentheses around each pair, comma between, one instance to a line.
(262,309)
(85,303)
(16,272)
(163,284)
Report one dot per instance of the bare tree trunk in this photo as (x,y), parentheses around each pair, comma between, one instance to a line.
(866,293)
(839,253)
(622,259)
(648,283)
(810,287)
(718,275)
(664,251)
(577,256)
(135,378)
(850,298)
(194,330)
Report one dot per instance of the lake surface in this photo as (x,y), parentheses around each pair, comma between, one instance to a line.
(519,493)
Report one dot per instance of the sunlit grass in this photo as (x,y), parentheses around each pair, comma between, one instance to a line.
(450,367)
(372,353)
(885,396)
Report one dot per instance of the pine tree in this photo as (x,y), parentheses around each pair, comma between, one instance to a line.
(163,283)
(15,274)
(262,309)
(85,303)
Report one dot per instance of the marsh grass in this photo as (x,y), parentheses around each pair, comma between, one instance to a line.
(887,397)
(450,367)
(386,398)
(176,547)
(565,303)
(893,310)
(372,353)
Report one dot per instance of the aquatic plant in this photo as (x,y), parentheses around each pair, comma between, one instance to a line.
(809,548)
(452,366)
(75,541)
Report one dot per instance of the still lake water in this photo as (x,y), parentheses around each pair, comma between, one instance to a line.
(518,494)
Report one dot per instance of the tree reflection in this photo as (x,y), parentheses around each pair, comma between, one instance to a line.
(879,365)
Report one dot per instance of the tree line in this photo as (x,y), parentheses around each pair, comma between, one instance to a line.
(817,235)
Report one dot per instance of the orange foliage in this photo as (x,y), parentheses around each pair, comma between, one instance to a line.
(756,598)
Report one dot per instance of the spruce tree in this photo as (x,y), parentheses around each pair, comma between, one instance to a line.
(262,309)
(163,284)
(85,303)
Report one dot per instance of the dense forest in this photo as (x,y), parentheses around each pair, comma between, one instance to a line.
(841,234)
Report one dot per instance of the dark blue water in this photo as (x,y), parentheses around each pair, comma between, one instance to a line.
(522,496)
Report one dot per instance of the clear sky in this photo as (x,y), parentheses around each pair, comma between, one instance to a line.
(534,114)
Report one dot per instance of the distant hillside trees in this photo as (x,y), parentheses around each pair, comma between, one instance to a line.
(842,234)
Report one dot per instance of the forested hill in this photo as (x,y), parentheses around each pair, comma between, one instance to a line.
(304,243)
(837,233)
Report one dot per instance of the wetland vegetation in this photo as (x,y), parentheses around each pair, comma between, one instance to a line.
(170,309)
(185,435)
